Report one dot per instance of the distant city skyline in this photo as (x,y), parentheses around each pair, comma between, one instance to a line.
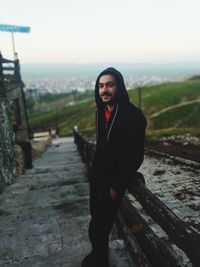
(91,31)
(57,78)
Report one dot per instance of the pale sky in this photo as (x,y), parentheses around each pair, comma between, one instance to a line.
(91,31)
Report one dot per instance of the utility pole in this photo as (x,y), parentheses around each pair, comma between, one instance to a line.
(140,97)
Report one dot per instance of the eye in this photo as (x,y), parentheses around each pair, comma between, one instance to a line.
(100,85)
(111,84)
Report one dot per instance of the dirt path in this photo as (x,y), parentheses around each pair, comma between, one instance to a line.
(175,106)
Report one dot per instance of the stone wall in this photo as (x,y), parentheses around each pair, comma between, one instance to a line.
(15,146)
(6,145)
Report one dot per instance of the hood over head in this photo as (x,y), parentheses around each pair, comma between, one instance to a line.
(121,95)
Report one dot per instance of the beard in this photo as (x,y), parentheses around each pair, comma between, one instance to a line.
(111,101)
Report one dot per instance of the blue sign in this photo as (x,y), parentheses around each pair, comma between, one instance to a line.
(14,28)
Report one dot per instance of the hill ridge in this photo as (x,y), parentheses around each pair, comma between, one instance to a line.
(175,106)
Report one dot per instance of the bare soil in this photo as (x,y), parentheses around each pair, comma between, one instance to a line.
(190,152)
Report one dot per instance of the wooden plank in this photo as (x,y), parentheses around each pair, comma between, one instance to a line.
(155,249)
(184,236)
(135,251)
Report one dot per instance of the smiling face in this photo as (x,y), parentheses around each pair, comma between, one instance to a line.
(107,89)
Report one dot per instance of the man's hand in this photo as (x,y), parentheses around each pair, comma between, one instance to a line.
(113,194)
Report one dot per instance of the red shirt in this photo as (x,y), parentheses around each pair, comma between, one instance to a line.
(107,114)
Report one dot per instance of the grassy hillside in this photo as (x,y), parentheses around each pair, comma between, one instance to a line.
(171,107)
(184,116)
(158,97)
(57,101)
(66,118)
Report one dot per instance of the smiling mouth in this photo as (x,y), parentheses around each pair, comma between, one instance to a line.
(106,94)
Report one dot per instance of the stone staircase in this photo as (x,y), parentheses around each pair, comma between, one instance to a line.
(44,215)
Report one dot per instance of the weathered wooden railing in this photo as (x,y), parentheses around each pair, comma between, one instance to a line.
(10,69)
(145,246)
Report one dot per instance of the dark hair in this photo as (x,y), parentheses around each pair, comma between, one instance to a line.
(122,95)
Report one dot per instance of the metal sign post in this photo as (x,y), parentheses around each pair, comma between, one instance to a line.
(13,44)
(12,29)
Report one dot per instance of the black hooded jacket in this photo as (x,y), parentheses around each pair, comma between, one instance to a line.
(120,142)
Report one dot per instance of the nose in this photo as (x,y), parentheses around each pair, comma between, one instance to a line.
(105,87)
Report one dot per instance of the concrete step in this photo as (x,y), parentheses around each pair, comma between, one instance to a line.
(42,198)
(44,215)
(71,257)
(46,180)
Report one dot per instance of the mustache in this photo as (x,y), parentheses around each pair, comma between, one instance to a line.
(106,94)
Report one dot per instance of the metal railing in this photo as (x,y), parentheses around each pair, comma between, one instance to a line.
(145,246)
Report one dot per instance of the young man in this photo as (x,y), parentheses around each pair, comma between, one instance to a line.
(120,129)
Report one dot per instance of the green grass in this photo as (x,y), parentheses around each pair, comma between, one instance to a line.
(161,96)
(55,98)
(160,103)
(179,117)
(81,115)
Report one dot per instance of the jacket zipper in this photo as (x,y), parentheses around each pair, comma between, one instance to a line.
(106,125)
(108,135)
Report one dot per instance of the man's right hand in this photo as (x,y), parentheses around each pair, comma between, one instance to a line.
(113,194)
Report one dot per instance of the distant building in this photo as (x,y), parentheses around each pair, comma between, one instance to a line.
(32,93)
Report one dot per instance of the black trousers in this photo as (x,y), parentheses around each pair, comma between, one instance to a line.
(103,213)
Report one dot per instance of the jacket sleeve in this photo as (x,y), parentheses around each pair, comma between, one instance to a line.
(131,156)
